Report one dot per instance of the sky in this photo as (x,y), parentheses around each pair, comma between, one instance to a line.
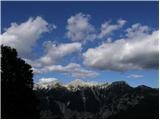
(91,41)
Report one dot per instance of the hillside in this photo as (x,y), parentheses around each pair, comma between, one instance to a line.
(80,99)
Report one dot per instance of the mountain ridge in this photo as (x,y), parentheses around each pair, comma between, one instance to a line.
(106,101)
(81,83)
(75,83)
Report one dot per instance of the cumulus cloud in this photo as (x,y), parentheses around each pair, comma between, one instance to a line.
(73,69)
(55,52)
(139,50)
(107,28)
(135,76)
(24,36)
(137,30)
(79,28)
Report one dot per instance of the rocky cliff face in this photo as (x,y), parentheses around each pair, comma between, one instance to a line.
(116,100)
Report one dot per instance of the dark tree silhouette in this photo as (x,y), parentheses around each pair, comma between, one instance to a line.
(18,97)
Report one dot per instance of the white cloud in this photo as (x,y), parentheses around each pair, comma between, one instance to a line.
(137,30)
(24,36)
(55,52)
(33,63)
(47,80)
(134,52)
(73,69)
(107,28)
(79,28)
(135,76)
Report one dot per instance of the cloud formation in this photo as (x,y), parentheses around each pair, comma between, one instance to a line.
(107,28)
(55,52)
(139,50)
(47,80)
(72,68)
(137,30)
(24,36)
(79,28)
(135,76)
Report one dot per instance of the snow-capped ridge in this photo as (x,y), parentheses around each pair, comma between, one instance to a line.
(73,84)
(51,84)
(81,83)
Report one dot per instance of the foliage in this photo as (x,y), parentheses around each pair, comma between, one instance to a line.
(18,97)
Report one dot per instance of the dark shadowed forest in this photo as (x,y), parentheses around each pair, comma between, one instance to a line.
(117,100)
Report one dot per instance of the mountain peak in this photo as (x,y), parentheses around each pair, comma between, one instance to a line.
(46,85)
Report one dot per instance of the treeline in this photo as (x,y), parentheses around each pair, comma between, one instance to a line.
(18,99)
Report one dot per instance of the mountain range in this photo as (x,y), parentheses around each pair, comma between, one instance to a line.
(80,99)
(73,84)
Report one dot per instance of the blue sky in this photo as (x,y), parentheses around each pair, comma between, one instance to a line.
(103,23)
